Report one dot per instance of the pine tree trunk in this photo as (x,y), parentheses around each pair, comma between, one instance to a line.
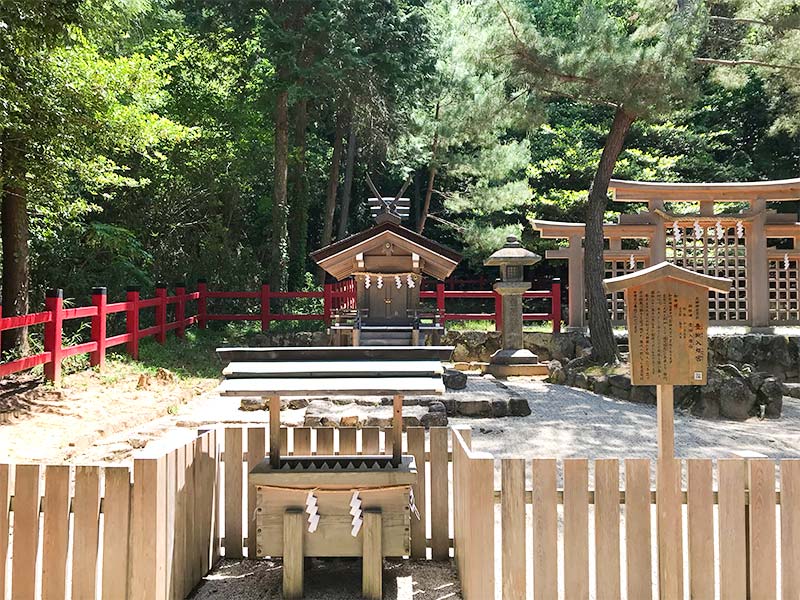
(426,206)
(349,166)
(15,237)
(278,246)
(333,184)
(298,224)
(604,347)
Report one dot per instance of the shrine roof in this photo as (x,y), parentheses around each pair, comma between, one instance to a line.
(644,191)
(667,270)
(335,258)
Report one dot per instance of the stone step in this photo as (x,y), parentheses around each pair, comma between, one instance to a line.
(379,342)
(386,335)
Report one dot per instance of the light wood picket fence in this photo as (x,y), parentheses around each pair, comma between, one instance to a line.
(143,532)
(755,525)
(153,530)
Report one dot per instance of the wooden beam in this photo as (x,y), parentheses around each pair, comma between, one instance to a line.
(293,525)
(372,568)
(644,191)
(666,421)
(275,431)
(397,429)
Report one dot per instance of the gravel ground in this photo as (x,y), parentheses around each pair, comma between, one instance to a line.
(567,422)
(333,579)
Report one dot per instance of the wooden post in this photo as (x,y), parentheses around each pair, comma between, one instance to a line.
(100,300)
(202,306)
(180,309)
(577,297)
(372,567)
(757,271)
(555,309)
(498,312)
(161,313)
(397,429)
(440,302)
(292,553)
(132,322)
(327,303)
(265,310)
(275,431)
(54,304)
(666,420)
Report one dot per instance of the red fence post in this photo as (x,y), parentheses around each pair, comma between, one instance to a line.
(440,301)
(180,309)
(99,299)
(161,313)
(202,290)
(556,306)
(265,314)
(132,321)
(327,303)
(498,312)
(54,304)
(1,336)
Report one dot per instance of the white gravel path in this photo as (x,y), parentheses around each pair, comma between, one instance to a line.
(567,422)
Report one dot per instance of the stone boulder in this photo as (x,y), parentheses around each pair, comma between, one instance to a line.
(454,380)
(474,408)
(518,407)
(770,395)
(556,373)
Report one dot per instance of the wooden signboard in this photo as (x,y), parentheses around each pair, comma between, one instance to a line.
(667,310)
(667,325)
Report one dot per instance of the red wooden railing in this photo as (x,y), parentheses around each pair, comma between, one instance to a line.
(335,296)
(440,294)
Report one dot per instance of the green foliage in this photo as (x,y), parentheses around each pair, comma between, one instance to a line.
(148,127)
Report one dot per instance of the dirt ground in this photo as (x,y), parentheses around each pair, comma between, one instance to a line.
(330,579)
(41,423)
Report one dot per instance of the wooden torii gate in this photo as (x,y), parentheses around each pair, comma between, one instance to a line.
(757,248)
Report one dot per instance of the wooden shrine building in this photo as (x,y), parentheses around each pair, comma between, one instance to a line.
(718,229)
(387,262)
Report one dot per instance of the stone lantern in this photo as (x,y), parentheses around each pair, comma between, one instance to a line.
(513,358)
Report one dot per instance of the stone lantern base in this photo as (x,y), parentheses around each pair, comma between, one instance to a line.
(520,362)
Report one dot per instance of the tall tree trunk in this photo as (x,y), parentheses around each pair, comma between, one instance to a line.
(278,245)
(604,347)
(15,235)
(349,166)
(426,206)
(298,224)
(333,183)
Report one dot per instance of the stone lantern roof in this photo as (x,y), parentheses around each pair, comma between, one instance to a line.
(513,253)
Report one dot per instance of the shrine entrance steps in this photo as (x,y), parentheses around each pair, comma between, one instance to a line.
(386,335)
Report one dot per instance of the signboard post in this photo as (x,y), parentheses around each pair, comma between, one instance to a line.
(667,309)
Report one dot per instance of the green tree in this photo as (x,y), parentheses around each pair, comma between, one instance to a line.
(69,105)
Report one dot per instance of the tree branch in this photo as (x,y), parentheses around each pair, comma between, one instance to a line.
(738,20)
(743,62)
(597,101)
(523,53)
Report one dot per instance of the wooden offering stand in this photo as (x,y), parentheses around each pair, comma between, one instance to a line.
(336,505)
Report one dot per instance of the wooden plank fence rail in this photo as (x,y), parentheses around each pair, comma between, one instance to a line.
(153,530)
(145,532)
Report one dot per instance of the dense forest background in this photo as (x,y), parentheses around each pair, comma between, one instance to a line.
(157,140)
